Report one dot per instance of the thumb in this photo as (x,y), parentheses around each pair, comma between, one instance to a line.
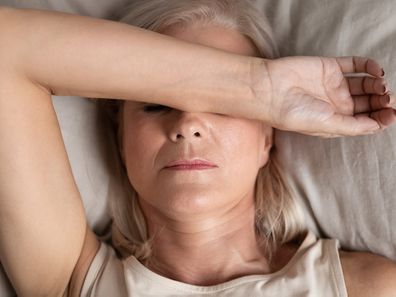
(360,124)
(342,99)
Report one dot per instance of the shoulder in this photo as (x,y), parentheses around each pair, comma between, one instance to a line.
(368,274)
(89,250)
(99,271)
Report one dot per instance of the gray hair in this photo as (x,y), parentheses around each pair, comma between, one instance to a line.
(239,15)
(278,218)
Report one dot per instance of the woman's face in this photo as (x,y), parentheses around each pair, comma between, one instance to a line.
(154,136)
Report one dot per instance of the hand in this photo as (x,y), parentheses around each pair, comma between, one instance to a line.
(316,96)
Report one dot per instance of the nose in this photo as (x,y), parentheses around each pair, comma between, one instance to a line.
(188,126)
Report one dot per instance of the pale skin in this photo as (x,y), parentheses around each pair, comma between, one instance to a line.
(34,155)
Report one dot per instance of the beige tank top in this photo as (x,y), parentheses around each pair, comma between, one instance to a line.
(314,270)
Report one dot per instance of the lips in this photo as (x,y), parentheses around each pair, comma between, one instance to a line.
(195,164)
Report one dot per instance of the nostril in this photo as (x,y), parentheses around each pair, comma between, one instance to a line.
(197,134)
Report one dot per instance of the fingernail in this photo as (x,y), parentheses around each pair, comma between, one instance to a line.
(385,100)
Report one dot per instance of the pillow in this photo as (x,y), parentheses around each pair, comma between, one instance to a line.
(344,184)
(95,8)
(347,185)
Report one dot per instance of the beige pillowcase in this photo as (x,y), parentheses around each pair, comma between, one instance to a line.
(347,185)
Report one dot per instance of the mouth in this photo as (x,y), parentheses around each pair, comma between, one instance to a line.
(196,164)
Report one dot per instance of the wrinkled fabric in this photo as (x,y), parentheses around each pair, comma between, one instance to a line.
(347,185)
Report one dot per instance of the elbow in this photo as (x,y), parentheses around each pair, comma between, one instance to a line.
(11,41)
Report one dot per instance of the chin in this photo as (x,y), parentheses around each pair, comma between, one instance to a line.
(190,201)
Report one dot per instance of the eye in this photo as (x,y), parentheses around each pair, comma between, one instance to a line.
(150,108)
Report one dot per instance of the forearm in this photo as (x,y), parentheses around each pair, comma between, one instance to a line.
(82,56)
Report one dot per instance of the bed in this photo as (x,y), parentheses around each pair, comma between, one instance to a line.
(347,186)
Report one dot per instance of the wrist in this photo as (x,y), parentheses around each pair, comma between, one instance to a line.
(261,87)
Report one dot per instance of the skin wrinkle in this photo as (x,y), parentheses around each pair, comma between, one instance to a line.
(271,92)
(371,102)
(323,71)
(365,66)
(354,64)
(363,84)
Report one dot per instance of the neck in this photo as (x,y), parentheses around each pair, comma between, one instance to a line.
(210,250)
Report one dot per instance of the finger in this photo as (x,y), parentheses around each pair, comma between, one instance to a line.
(360,65)
(384,117)
(367,85)
(343,101)
(370,103)
(392,99)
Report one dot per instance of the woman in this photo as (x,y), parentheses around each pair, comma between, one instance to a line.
(204,231)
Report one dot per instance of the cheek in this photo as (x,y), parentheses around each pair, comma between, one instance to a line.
(141,145)
(242,150)
(243,144)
